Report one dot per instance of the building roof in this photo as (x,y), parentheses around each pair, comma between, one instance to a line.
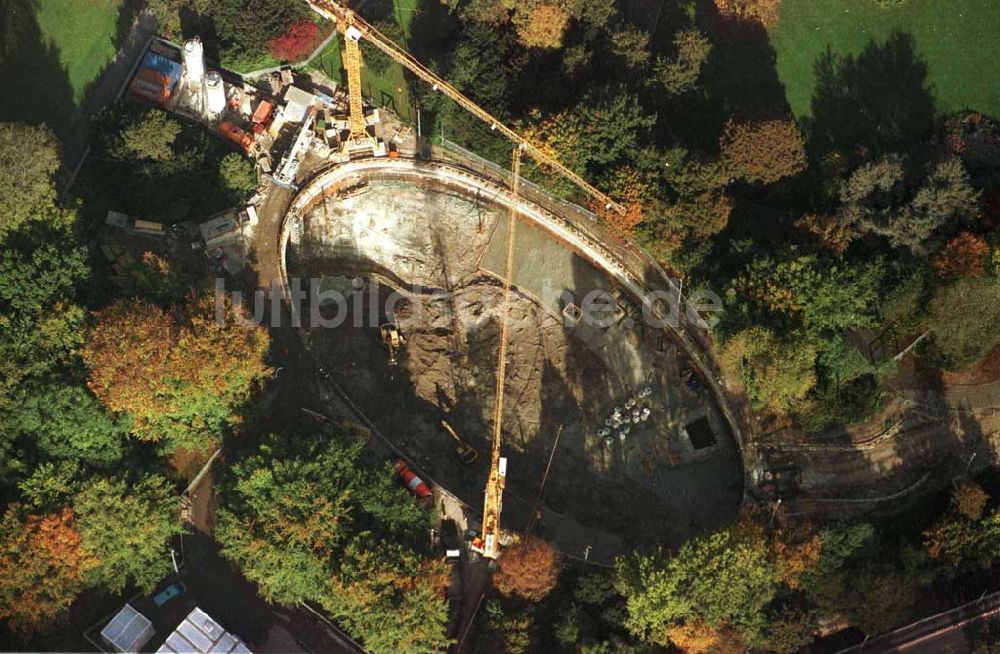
(200,634)
(128,631)
(297,104)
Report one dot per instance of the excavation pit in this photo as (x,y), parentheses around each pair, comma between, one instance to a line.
(426,252)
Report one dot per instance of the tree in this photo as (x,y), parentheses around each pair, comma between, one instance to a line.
(963,316)
(765,12)
(244,27)
(181,375)
(795,553)
(790,630)
(306,519)
(969,499)
(680,74)
(374,58)
(540,24)
(37,273)
(295,43)
(762,151)
(36,344)
(875,200)
(632,45)
(66,422)
(151,137)
(238,176)
(803,291)
(722,580)
(29,157)
(777,375)
(585,140)
(40,328)
(633,189)
(963,256)
(42,568)
(696,637)
(828,231)
(505,630)
(528,569)
(128,527)
(50,485)
(965,537)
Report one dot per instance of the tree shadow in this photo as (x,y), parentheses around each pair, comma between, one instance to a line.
(36,86)
(872,104)
(739,79)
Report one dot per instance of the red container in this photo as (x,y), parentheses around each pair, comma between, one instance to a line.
(414,483)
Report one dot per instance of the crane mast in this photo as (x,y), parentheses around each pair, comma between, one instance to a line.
(347,20)
(493,496)
(352,62)
(354,29)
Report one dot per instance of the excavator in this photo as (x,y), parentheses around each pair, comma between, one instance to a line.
(392,341)
(466,453)
(354,28)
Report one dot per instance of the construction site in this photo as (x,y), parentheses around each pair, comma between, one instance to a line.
(518,361)
(638,450)
(514,370)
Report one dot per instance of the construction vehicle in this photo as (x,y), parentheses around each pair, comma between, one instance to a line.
(392,340)
(354,28)
(466,453)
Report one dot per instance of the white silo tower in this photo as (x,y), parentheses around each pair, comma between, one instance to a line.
(194,60)
(216,92)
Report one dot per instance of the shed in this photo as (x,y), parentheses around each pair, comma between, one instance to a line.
(199,634)
(128,631)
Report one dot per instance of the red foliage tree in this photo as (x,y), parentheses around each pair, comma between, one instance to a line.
(42,567)
(528,569)
(297,41)
(963,256)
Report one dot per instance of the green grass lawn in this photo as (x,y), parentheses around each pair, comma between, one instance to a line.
(958,39)
(83,32)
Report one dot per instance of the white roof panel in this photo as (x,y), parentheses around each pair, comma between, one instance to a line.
(200,634)
(128,631)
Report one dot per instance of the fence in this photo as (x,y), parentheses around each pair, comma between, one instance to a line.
(643,269)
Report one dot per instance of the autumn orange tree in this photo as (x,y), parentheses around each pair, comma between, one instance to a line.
(180,374)
(963,256)
(528,569)
(763,151)
(42,568)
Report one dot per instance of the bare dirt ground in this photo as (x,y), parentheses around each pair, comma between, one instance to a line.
(562,379)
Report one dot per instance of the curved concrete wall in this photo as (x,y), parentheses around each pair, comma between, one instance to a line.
(462,180)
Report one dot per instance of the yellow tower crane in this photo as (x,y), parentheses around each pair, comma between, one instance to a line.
(493,496)
(354,29)
(346,20)
(358,137)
